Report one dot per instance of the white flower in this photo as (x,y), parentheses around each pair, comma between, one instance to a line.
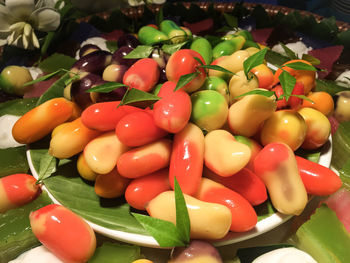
(19,19)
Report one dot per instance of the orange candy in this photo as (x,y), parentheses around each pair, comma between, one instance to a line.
(321,101)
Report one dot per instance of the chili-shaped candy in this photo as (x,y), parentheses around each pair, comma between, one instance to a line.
(317,179)
(243,214)
(277,167)
(186,162)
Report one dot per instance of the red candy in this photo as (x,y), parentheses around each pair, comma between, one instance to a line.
(173,111)
(138,128)
(64,233)
(17,190)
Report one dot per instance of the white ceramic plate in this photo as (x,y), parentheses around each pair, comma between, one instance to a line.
(261,227)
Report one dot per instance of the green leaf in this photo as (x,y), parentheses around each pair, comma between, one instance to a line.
(198,60)
(275,58)
(287,82)
(17,107)
(329,86)
(300,66)
(112,45)
(141,51)
(254,60)
(106,87)
(164,232)
(314,61)
(344,174)
(185,79)
(13,160)
(217,68)
(159,16)
(290,53)
(56,89)
(47,166)
(115,253)
(311,155)
(182,218)
(266,93)
(172,48)
(232,21)
(56,62)
(135,95)
(43,78)
(302,97)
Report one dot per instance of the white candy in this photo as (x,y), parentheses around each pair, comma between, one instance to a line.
(6,124)
(38,255)
(298,47)
(285,255)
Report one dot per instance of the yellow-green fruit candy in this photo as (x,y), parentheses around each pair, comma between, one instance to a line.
(12,79)
(217,84)
(209,109)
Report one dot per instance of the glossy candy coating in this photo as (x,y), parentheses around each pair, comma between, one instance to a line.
(277,167)
(17,190)
(203,47)
(111,185)
(186,163)
(239,84)
(217,84)
(64,233)
(13,78)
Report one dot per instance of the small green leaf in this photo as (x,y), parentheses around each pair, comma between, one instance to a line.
(106,87)
(314,61)
(266,93)
(290,53)
(182,218)
(254,60)
(172,48)
(302,97)
(56,89)
(185,79)
(217,68)
(57,61)
(163,231)
(198,60)
(112,45)
(135,95)
(115,253)
(232,21)
(141,51)
(159,16)
(47,166)
(287,82)
(43,78)
(300,66)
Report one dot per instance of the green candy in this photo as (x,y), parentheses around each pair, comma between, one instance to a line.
(228,46)
(217,84)
(209,109)
(173,31)
(246,34)
(203,47)
(149,35)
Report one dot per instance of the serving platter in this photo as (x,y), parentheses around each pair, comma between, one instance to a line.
(60,192)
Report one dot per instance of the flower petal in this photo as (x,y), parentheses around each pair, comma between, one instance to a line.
(45,19)
(5,18)
(20,9)
(44,3)
(35,40)
(3,42)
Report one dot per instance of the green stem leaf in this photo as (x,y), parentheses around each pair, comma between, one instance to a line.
(300,66)
(182,218)
(172,48)
(47,166)
(267,93)
(141,51)
(217,68)
(290,53)
(287,82)
(43,78)
(135,95)
(253,61)
(185,79)
(106,87)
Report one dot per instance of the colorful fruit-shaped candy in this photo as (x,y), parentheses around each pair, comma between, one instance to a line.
(239,84)
(243,214)
(264,75)
(208,220)
(217,84)
(40,121)
(138,128)
(143,189)
(13,78)
(64,233)
(203,47)
(277,167)
(143,75)
(149,35)
(17,190)
(223,154)
(182,62)
(145,159)
(186,163)
(173,111)
(173,31)
(209,109)
(111,185)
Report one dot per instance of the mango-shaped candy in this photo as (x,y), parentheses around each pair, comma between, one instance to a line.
(111,185)
(223,154)
(239,84)
(247,115)
(208,220)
